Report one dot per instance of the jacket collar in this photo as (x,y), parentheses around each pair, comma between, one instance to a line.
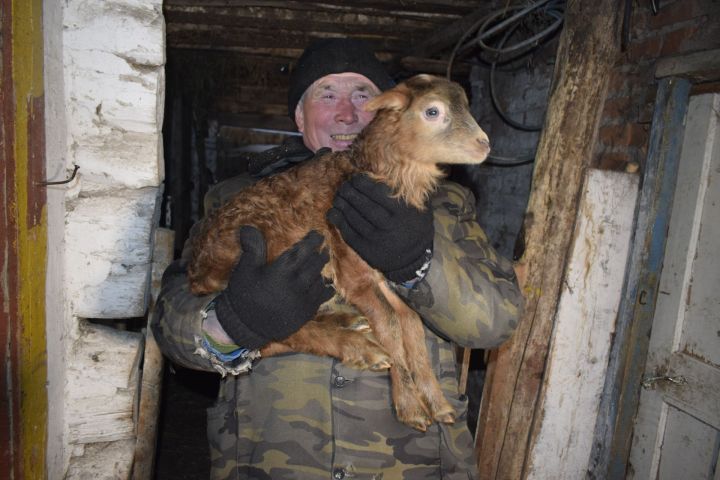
(276,159)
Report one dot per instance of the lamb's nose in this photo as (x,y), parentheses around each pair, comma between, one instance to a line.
(484,142)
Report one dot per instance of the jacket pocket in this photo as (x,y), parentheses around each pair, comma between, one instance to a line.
(457,452)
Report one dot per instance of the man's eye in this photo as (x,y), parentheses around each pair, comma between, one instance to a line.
(432,112)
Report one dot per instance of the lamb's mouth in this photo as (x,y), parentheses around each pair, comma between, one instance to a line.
(344,137)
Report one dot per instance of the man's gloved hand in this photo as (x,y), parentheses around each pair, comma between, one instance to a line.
(386,232)
(270,301)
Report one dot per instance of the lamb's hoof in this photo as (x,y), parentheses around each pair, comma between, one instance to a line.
(419,421)
(381,365)
(445,417)
(417,418)
(370,356)
(360,324)
(442,411)
(352,321)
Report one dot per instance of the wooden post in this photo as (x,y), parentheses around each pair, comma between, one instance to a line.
(148,411)
(588,48)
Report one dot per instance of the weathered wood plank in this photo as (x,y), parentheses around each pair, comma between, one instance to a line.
(152,368)
(613,430)
(115,88)
(698,67)
(283,18)
(588,47)
(101,461)
(687,296)
(214,37)
(580,344)
(102,385)
(108,244)
(429,7)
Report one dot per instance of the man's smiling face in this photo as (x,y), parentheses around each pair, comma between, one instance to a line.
(330,112)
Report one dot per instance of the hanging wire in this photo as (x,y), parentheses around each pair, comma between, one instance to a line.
(485,30)
(506,22)
(507,162)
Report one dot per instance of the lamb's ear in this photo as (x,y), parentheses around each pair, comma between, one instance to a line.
(396,99)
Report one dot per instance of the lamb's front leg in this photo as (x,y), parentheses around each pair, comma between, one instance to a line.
(344,335)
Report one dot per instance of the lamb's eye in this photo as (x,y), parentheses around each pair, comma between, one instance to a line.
(432,112)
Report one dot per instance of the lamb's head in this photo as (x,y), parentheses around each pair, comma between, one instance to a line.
(431,121)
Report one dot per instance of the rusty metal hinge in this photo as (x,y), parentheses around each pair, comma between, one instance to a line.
(677,380)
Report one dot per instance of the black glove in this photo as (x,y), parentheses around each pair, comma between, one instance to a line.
(390,235)
(270,301)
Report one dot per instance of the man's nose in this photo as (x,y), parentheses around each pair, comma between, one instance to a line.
(346,112)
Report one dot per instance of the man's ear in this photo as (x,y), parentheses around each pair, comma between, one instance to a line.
(396,99)
(299,118)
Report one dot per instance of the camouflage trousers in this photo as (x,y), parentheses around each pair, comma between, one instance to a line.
(304,417)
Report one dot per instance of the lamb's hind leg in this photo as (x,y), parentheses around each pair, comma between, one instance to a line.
(342,335)
(419,360)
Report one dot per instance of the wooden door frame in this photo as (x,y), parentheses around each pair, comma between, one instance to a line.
(679,77)
(23,240)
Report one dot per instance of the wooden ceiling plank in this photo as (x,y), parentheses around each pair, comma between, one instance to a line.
(273,54)
(394,6)
(261,40)
(225,15)
(188,21)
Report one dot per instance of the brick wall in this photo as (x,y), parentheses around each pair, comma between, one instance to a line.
(679,27)
(502,192)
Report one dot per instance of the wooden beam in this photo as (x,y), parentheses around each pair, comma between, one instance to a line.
(389,7)
(152,367)
(256,39)
(697,67)
(289,19)
(588,48)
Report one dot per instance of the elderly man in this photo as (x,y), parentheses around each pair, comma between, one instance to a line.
(304,417)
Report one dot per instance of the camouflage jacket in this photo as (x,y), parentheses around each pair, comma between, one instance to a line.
(298,416)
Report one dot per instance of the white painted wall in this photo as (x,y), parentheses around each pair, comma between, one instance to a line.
(104,93)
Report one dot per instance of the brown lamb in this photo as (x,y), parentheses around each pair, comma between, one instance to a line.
(420,123)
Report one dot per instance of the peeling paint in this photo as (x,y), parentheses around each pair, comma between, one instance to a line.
(25,241)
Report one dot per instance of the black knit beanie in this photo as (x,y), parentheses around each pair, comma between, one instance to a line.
(334,55)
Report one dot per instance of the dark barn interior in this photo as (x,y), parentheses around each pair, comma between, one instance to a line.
(228,64)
